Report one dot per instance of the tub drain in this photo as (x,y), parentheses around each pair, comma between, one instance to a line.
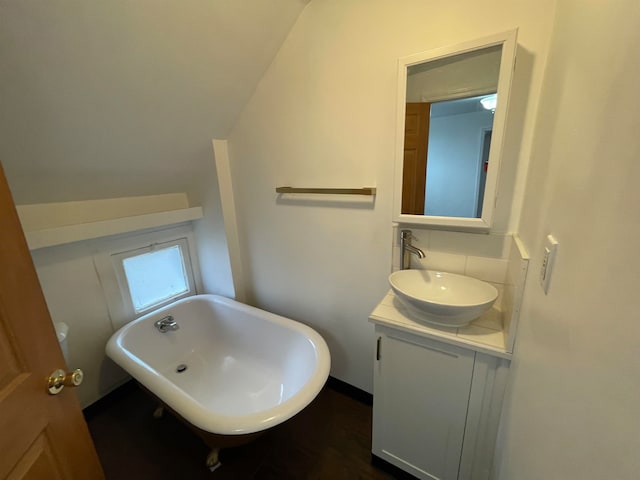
(181,368)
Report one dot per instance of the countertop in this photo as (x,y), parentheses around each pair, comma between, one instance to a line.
(485,334)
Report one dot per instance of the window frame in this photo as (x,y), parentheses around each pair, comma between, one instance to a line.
(118,258)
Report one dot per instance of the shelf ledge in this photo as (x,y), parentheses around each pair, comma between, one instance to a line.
(49,237)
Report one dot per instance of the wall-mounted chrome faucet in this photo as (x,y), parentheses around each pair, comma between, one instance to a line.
(166,323)
(406,249)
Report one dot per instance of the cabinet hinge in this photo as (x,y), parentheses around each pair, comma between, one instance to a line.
(378,348)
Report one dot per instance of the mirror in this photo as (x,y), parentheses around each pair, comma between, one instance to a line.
(452,105)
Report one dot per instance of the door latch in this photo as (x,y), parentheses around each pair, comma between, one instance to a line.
(59,379)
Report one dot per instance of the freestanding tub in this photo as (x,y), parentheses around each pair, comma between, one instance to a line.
(230,370)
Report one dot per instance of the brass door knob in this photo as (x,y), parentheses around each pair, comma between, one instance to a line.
(59,379)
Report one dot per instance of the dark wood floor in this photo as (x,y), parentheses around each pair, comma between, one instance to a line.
(330,439)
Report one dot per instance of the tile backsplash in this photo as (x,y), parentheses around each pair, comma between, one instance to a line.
(497,259)
(514,289)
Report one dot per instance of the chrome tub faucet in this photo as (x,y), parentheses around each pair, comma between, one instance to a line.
(166,323)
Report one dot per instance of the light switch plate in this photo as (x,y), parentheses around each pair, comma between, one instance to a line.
(548,257)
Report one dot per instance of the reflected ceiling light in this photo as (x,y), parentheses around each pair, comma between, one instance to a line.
(489,102)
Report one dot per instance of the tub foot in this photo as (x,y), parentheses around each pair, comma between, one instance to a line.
(213,461)
(158,412)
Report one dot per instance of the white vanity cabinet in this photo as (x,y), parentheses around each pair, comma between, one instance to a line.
(436,406)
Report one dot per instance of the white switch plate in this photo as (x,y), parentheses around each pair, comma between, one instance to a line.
(548,257)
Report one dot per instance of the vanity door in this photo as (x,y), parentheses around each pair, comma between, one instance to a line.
(421,396)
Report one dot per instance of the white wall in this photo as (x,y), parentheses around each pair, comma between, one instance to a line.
(572,409)
(74,295)
(210,233)
(313,122)
(120,98)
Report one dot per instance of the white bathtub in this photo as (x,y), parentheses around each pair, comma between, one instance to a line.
(247,369)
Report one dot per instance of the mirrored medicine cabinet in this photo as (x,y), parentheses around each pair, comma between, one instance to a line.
(452,106)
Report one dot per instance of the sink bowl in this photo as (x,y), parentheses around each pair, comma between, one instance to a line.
(443,299)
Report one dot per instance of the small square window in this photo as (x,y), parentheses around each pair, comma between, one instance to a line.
(155,275)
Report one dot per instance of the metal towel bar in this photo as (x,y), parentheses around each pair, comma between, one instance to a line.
(329,191)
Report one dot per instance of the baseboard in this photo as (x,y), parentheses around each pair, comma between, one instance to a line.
(391,469)
(105,402)
(349,390)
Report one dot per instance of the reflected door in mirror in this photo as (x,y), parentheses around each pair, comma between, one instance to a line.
(414,171)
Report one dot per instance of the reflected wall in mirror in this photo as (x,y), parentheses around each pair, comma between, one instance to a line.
(451,110)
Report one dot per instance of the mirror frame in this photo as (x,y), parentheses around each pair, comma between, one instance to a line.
(507,63)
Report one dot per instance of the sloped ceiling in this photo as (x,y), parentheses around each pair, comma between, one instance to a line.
(117,98)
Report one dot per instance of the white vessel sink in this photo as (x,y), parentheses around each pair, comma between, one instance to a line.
(443,299)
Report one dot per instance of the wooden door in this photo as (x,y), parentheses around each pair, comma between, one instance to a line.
(414,169)
(42,436)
